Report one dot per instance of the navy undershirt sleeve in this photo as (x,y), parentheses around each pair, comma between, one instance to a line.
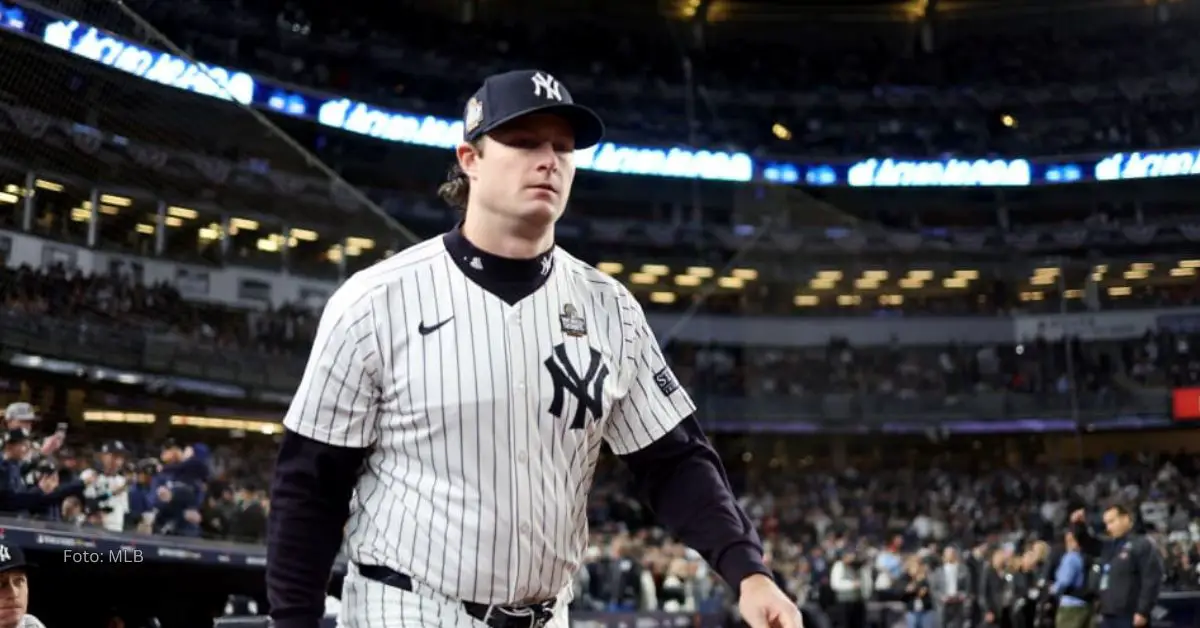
(684,483)
(310,502)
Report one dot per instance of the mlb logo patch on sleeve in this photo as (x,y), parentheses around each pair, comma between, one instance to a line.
(666,381)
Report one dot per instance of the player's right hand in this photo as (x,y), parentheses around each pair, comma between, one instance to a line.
(764,605)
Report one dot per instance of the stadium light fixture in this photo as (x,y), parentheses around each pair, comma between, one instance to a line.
(967,274)
(307,235)
(658,270)
(1144,267)
(848,300)
(745,274)
(820,284)
(829,275)
(806,300)
(643,278)
(1073,294)
(704,272)
(781,132)
(912,283)
(8,197)
(145,229)
(954,282)
(243,223)
(113,199)
(182,212)
(48,185)
(1120,291)
(687,280)
(173,221)
(610,268)
(1189,263)
(733,283)
(891,299)
(662,297)
(875,275)
(1183,272)
(866,283)
(920,275)
(365,244)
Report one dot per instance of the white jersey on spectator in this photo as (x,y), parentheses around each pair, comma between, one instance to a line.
(29,621)
(117,501)
(484,420)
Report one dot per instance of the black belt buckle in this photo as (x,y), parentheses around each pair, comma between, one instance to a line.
(495,616)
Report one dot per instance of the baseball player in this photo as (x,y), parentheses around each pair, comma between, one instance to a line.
(110,490)
(14,589)
(452,410)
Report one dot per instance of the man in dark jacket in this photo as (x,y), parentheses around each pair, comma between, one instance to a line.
(1132,569)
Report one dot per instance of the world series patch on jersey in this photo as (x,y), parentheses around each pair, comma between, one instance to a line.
(484,419)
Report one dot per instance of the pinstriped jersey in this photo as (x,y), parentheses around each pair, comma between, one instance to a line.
(483,419)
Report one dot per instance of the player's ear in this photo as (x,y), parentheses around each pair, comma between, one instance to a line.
(468,154)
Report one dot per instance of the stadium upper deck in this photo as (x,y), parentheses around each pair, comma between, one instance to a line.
(172,173)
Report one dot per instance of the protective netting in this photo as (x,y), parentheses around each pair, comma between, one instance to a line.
(110,129)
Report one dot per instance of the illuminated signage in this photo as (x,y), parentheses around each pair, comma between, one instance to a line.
(415,129)
(207,80)
(1148,165)
(941,173)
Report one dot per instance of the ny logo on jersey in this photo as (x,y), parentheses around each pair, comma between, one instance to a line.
(546,86)
(588,390)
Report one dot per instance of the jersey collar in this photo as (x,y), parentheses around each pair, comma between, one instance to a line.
(508,278)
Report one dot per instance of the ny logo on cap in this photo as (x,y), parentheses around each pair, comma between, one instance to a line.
(5,555)
(547,87)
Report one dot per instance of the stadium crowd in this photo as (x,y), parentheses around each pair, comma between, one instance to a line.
(882,525)
(864,96)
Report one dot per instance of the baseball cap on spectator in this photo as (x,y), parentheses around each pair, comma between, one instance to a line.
(20,411)
(114,447)
(511,95)
(11,557)
(16,436)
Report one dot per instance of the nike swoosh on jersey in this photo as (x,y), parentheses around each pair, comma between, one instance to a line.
(425,331)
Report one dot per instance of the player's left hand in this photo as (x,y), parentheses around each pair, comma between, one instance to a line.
(763,605)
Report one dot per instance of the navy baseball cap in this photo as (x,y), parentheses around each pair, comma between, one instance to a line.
(11,557)
(508,96)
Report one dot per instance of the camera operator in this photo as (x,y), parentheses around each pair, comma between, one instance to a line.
(1131,568)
